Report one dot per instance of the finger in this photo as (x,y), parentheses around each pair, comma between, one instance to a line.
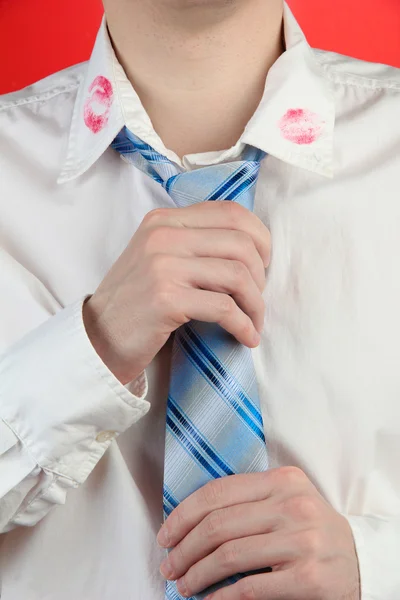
(213,307)
(229,244)
(229,277)
(216,243)
(279,585)
(220,526)
(237,556)
(216,214)
(227,491)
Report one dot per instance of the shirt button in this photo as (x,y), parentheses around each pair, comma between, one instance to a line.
(105,436)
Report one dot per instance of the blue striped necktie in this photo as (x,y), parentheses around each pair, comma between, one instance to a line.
(214,425)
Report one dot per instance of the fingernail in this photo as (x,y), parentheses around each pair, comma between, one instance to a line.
(163,538)
(165,568)
(256,338)
(209,597)
(181,585)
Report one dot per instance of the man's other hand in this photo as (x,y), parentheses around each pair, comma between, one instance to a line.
(249,522)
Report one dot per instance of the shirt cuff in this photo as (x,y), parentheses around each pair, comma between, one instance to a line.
(378,549)
(61,401)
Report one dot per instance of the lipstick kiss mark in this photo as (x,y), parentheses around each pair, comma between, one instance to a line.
(101,99)
(301,126)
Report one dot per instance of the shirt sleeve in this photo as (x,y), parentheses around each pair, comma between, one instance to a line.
(378,548)
(60,408)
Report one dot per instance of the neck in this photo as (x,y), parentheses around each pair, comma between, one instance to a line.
(198,66)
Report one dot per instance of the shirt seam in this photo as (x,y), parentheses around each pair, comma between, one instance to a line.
(40,97)
(351,79)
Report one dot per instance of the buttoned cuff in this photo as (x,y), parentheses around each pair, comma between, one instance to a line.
(61,401)
(378,548)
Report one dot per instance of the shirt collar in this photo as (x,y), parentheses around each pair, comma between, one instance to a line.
(294,121)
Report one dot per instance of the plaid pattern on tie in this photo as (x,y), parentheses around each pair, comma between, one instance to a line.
(214,425)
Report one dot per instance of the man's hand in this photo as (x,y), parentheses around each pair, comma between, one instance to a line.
(249,522)
(205,262)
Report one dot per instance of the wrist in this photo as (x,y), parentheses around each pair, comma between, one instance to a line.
(105,344)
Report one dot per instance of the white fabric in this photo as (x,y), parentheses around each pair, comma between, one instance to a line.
(328,365)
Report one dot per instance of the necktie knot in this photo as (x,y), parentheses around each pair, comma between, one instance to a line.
(233,181)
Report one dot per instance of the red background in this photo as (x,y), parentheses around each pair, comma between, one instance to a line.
(38,37)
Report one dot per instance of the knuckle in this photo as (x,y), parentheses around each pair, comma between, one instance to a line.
(301,507)
(211,493)
(180,517)
(154,216)
(177,520)
(164,300)
(239,271)
(164,305)
(245,241)
(246,589)
(291,475)
(213,524)
(310,542)
(226,307)
(233,212)
(177,556)
(227,556)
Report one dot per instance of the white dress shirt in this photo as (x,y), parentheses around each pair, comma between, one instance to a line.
(328,366)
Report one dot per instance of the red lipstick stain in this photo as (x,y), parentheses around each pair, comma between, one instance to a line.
(301,126)
(103,96)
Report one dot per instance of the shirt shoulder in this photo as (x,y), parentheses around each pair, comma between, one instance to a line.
(46,89)
(342,69)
